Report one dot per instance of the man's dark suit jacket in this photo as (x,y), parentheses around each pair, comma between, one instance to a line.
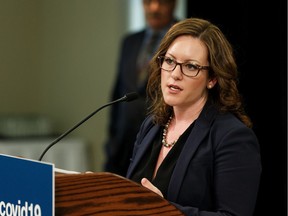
(218,169)
(125,118)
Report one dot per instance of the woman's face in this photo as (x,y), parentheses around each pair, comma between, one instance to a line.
(179,90)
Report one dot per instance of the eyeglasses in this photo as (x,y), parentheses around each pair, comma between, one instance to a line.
(189,69)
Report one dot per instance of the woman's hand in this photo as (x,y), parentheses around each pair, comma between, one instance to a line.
(146,183)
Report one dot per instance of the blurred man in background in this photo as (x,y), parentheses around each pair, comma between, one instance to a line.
(136,51)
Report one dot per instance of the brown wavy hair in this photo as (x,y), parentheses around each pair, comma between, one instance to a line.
(224,95)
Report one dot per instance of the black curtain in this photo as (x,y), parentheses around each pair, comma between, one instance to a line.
(258,32)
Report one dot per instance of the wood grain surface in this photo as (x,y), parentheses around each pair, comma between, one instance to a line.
(106,194)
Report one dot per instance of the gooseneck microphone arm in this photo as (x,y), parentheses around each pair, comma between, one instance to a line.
(128,97)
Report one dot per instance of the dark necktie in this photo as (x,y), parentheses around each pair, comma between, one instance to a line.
(143,60)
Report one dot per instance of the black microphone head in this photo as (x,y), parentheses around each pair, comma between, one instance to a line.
(131,96)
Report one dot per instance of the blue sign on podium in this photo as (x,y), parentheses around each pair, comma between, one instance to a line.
(26,187)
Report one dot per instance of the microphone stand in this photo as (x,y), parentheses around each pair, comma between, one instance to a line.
(127,97)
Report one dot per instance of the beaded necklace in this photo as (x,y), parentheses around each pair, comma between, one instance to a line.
(164,142)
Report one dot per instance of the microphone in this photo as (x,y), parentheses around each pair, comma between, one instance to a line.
(127,97)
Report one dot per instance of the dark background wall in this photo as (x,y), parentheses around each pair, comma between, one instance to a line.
(258,32)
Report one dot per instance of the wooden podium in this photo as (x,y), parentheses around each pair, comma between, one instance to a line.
(105,194)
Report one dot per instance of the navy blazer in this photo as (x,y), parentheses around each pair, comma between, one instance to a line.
(218,171)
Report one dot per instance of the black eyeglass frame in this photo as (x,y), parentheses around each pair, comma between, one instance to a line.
(199,67)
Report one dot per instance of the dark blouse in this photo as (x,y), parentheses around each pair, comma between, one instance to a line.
(148,162)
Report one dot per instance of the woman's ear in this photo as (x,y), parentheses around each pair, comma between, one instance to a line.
(211,83)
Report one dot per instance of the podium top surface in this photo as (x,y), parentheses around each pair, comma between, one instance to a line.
(107,194)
